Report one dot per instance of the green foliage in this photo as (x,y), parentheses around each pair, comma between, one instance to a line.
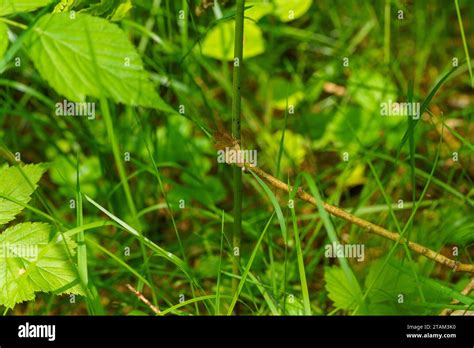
(368,90)
(63,173)
(294,306)
(114,10)
(8,7)
(31,258)
(289,10)
(257,9)
(294,149)
(3,39)
(302,109)
(92,57)
(283,93)
(51,271)
(344,293)
(219,42)
(17,185)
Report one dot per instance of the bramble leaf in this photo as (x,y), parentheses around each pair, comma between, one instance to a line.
(30,262)
(16,6)
(17,186)
(92,57)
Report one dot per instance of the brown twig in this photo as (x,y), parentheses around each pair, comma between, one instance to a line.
(144,299)
(366,225)
(466,291)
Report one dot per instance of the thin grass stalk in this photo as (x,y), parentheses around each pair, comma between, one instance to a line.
(236,117)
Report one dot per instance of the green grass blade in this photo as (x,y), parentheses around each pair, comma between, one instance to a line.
(247,268)
(464,42)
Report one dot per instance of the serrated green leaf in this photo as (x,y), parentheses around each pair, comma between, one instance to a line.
(3,39)
(92,57)
(64,6)
(219,42)
(30,262)
(288,10)
(17,186)
(345,294)
(16,6)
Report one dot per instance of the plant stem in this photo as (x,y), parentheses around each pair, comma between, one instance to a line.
(237,171)
(13,23)
(386,44)
(463,36)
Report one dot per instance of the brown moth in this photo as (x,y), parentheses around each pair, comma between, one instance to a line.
(226,142)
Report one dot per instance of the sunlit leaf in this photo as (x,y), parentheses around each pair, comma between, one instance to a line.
(16,6)
(17,185)
(258,9)
(30,262)
(219,42)
(288,10)
(92,57)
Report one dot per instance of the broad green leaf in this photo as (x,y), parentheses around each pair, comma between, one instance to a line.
(64,6)
(15,186)
(3,39)
(219,42)
(288,10)
(16,6)
(344,294)
(30,262)
(92,57)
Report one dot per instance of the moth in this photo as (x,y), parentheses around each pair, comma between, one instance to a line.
(230,148)
(224,140)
